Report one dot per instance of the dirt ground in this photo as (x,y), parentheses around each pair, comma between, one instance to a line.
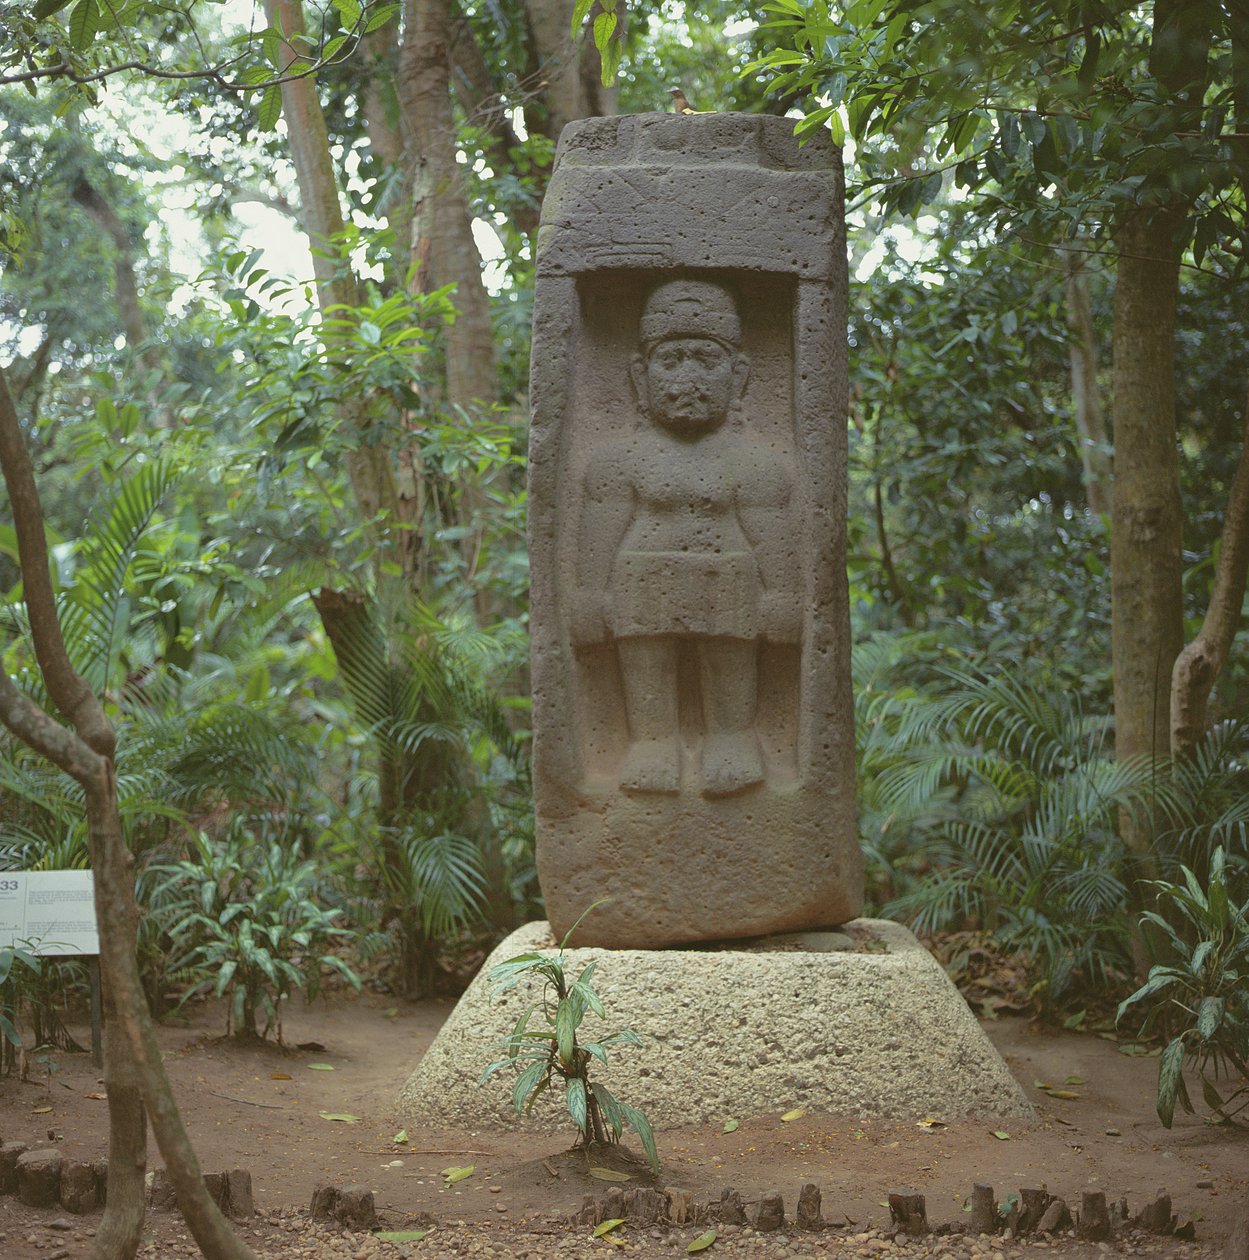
(259,1107)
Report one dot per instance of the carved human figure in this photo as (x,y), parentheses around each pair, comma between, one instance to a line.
(689,534)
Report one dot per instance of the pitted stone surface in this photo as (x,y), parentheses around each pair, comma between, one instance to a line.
(736,1032)
(693,724)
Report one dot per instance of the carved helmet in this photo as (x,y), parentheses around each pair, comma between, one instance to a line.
(690,308)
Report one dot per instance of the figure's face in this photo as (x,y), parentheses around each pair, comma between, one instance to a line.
(690,383)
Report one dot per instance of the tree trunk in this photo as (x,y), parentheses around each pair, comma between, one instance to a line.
(442,223)
(1146,522)
(121,1228)
(1085,393)
(87,755)
(383,121)
(369,464)
(571,69)
(1200,663)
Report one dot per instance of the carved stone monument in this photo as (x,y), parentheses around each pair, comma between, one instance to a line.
(693,727)
(693,723)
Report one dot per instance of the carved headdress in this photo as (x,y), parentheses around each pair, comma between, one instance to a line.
(690,308)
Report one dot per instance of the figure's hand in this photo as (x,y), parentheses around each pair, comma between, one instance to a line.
(587,623)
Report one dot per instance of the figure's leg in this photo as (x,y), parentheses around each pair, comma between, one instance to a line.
(648,670)
(729,674)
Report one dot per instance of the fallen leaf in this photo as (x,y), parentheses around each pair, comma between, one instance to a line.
(400,1138)
(1134,1048)
(1074,1021)
(607,1226)
(390,1012)
(1001,1136)
(1074,1080)
(401,1235)
(610,1174)
(279,1076)
(321,1067)
(40,1111)
(730,1126)
(310,1045)
(97,1097)
(796,1114)
(930,1122)
(702,1242)
(458,1174)
(1042,1085)
(1068,1094)
(344,1117)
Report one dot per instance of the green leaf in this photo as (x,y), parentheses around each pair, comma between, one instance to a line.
(566,1021)
(344,1117)
(400,1138)
(1211,1095)
(575,1100)
(1001,1135)
(607,42)
(605,1227)
(730,1126)
(457,1173)
(320,1067)
(349,11)
(270,109)
(1170,1080)
(1209,1017)
(46,8)
(527,1081)
(609,1107)
(381,17)
(580,12)
(84,22)
(642,1127)
(609,1174)
(702,1242)
(401,1235)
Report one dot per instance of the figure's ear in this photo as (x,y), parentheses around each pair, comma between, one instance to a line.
(637,374)
(741,374)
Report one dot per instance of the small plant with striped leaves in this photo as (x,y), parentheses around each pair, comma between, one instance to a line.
(553,1055)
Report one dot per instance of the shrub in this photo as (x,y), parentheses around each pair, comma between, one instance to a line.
(554,1056)
(1202,990)
(245,912)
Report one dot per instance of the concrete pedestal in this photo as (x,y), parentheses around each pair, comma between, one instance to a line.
(863,1022)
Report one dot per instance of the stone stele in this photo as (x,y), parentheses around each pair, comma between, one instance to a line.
(693,722)
(858,1023)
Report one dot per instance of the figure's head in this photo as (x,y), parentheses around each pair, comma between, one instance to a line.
(689,370)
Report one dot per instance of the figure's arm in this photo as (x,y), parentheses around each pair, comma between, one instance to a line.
(767,507)
(606,511)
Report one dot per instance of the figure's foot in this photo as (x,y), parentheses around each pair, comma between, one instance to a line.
(731,763)
(652,765)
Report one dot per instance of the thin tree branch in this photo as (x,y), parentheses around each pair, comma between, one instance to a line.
(69,691)
(1199,665)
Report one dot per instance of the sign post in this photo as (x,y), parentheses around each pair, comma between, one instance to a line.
(51,914)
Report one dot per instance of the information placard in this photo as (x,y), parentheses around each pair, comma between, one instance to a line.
(51,913)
